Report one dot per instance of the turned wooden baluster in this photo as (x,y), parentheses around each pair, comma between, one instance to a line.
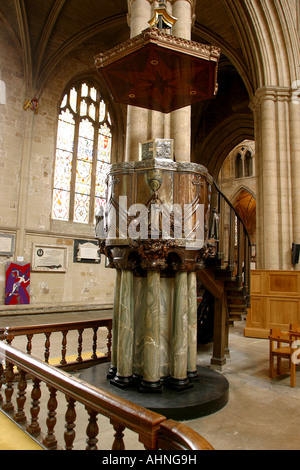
(64,348)
(70,418)
(47,347)
(9,389)
(34,427)
(94,355)
(92,430)
(29,344)
(118,443)
(20,416)
(231,240)
(79,350)
(240,248)
(50,441)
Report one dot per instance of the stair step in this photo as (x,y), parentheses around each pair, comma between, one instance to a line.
(237,307)
(233,287)
(226,277)
(235,318)
(237,301)
(239,295)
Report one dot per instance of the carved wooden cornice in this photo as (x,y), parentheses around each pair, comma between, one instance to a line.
(154,35)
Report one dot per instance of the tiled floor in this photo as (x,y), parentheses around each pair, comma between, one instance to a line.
(261,414)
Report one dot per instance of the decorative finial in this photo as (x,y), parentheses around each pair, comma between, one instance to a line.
(162,18)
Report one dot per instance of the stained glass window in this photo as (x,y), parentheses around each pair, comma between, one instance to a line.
(83,154)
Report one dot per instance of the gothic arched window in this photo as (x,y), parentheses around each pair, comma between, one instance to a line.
(238,166)
(248,164)
(83,152)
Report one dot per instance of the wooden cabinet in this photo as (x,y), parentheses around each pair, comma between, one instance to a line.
(275,302)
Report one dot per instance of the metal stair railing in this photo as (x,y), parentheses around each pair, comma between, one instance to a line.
(232,245)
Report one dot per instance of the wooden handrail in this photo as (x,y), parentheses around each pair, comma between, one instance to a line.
(153,429)
(53,327)
(9,333)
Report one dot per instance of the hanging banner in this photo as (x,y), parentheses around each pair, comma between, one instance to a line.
(17,283)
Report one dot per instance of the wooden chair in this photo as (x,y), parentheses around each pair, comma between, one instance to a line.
(281,347)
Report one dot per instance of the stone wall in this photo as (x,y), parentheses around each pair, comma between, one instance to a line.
(27,150)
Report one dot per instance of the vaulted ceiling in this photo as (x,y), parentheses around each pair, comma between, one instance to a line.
(45,32)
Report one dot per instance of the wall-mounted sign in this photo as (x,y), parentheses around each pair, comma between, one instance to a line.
(7,243)
(50,258)
(86,252)
(17,283)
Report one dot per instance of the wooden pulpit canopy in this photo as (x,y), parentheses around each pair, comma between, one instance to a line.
(158,71)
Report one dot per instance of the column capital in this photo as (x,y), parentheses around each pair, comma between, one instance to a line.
(276,94)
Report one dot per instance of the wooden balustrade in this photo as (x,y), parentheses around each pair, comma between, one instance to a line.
(66,363)
(154,431)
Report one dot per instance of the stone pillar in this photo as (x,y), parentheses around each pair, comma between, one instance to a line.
(124,374)
(151,377)
(294,121)
(192,325)
(276,175)
(139,14)
(181,118)
(24,181)
(179,346)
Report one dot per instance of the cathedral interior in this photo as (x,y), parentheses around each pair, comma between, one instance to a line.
(166,105)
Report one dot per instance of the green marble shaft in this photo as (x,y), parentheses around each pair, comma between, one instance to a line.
(126,325)
(180,328)
(152,329)
(166,312)
(192,322)
(115,326)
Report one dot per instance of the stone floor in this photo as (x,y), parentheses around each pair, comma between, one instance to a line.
(261,414)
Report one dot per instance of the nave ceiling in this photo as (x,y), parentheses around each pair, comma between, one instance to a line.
(46,32)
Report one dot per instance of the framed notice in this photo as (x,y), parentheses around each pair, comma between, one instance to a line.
(49,258)
(7,243)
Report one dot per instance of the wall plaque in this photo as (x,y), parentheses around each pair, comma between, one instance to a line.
(86,251)
(51,258)
(7,243)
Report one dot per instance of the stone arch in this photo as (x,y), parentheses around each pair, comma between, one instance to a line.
(223,139)
(269,42)
(244,202)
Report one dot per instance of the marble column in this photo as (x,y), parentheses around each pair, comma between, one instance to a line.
(115,326)
(166,312)
(179,346)
(151,376)
(192,325)
(124,375)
